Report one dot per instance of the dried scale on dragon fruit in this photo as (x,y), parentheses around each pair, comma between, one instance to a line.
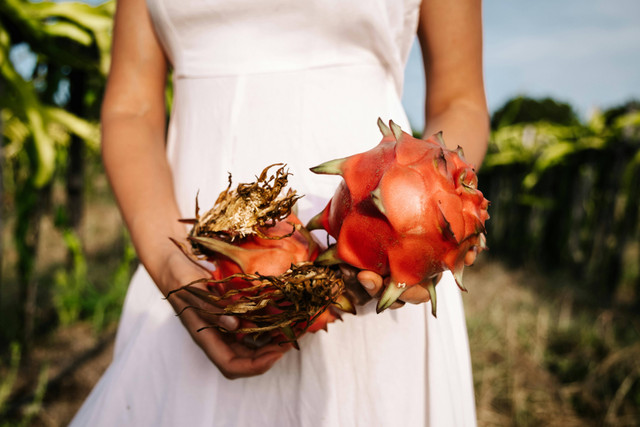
(264,273)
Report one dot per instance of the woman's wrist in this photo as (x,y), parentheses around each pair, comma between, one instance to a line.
(157,253)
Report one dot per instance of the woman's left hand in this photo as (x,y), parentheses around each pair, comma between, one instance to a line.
(363,285)
(375,284)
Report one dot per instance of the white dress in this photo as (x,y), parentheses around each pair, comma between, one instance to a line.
(258,82)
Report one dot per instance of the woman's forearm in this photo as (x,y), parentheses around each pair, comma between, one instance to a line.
(452,55)
(134,158)
(464,125)
(133,139)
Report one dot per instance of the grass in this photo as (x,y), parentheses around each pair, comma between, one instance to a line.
(81,275)
(542,355)
(82,279)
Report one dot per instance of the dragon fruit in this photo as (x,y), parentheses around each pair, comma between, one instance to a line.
(408,209)
(264,273)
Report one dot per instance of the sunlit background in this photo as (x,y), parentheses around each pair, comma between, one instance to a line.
(552,309)
(583,52)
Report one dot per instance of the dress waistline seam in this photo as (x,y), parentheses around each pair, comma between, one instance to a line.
(180,75)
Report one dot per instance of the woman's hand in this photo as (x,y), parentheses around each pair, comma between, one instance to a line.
(363,285)
(375,284)
(233,359)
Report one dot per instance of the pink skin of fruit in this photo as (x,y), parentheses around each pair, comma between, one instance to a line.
(269,257)
(408,209)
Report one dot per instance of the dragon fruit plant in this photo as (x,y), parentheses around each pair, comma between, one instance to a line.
(408,209)
(264,273)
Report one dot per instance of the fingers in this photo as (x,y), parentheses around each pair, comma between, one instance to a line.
(470,256)
(397,304)
(235,360)
(415,295)
(232,359)
(206,310)
(353,288)
(374,284)
(371,282)
(228,322)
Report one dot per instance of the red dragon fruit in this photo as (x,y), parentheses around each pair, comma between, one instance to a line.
(264,273)
(408,209)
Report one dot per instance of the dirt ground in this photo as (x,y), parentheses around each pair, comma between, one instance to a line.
(73,358)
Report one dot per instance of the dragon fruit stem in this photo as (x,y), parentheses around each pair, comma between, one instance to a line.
(483,242)
(332,167)
(230,251)
(376,198)
(457,274)
(384,129)
(329,257)
(397,130)
(343,303)
(390,295)
(306,233)
(445,227)
(287,331)
(431,288)
(315,223)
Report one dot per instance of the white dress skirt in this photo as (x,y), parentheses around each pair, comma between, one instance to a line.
(258,82)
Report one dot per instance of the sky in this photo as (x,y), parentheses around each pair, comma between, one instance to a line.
(584,52)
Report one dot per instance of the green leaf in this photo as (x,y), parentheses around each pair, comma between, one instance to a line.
(16,133)
(42,25)
(89,132)
(510,157)
(96,20)
(557,154)
(69,31)
(628,120)
(93,18)
(45,149)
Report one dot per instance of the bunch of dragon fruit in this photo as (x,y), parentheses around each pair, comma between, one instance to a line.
(408,209)
(264,273)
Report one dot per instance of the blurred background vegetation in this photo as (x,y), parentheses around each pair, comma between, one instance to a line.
(553,312)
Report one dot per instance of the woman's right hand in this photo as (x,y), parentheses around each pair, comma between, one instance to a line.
(233,359)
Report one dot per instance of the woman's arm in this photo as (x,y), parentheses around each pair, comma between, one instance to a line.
(133,151)
(450,35)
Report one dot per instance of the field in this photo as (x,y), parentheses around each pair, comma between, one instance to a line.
(543,353)
(553,310)
(546,350)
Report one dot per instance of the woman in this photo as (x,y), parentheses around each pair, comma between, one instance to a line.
(257,83)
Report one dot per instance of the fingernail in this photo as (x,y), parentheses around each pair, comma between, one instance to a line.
(228,322)
(368,284)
